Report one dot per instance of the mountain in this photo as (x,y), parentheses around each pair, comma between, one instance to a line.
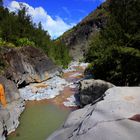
(77,39)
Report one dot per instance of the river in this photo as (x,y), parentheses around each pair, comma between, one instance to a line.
(41,118)
(38,121)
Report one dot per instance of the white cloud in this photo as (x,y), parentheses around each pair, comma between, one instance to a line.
(55,27)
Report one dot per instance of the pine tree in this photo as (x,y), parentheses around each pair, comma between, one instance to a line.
(18,29)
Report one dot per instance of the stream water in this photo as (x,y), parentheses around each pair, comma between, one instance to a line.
(41,118)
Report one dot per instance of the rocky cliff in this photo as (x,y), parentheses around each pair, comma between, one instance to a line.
(116,117)
(15,106)
(77,39)
(27,65)
(19,67)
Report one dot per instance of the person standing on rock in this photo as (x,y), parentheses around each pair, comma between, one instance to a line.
(2,96)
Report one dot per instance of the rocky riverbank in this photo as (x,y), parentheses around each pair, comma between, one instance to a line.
(116,117)
(9,117)
(107,108)
(53,87)
(48,89)
(45,90)
(15,105)
(23,66)
(28,65)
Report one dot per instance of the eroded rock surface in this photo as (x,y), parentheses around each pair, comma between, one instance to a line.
(91,90)
(108,119)
(15,106)
(48,90)
(9,117)
(11,90)
(29,64)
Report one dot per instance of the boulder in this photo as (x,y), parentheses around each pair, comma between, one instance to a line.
(15,106)
(91,90)
(9,117)
(27,65)
(116,117)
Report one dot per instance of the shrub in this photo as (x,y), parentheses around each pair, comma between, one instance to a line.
(24,42)
(6,44)
(119,65)
(115,52)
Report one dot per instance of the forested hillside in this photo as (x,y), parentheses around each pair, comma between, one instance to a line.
(115,52)
(18,30)
(77,39)
(108,38)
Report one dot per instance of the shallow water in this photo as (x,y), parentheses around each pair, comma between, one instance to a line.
(42,118)
(38,121)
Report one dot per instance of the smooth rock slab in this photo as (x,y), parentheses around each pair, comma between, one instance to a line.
(9,116)
(15,106)
(106,120)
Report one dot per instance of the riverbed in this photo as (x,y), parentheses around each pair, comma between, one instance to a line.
(43,117)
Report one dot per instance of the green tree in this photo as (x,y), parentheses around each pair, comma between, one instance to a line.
(19,29)
(115,52)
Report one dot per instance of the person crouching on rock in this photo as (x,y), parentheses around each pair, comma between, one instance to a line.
(2,96)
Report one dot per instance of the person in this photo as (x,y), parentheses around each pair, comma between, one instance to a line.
(2,96)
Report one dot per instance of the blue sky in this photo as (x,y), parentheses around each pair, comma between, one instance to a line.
(56,16)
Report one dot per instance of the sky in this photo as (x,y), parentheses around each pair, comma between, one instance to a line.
(56,16)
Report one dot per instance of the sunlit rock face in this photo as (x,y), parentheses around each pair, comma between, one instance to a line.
(116,117)
(78,38)
(51,88)
(29,64)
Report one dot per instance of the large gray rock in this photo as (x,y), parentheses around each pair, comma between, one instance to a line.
(9,116)
(91,90)
(15,106)
(116,117)
(27,65)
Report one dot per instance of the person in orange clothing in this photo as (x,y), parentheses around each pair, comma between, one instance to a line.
(2,96)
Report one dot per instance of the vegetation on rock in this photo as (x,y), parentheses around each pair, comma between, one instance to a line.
(17,30)
(77,39)
(115,52)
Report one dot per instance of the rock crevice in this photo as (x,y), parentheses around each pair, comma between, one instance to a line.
(15,106)
(107,119)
